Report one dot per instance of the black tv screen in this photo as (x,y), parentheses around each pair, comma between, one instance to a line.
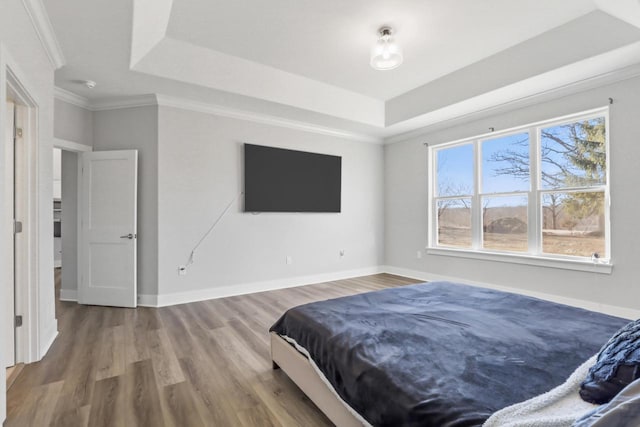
(279,180)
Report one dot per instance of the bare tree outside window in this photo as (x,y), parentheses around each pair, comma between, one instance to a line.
(572,156)
(570,183)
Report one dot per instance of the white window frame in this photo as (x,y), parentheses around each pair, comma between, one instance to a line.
(534,222)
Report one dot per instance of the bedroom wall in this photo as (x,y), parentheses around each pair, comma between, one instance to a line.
(20,45)
(72,123)
(137,128)
(200,172)
(69,223)
(406,228)
(75,124)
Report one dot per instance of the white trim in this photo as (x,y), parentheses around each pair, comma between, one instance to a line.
(627,313)
(68,295)
(250,288)
(220,110)
(576,87)
(534,255)
(124,102)
(514,258)
(42,25)
(206,108)
(147,300)
(164,300)
(28,301)
(71,98)
(75,147)
(144,300)
(52,334)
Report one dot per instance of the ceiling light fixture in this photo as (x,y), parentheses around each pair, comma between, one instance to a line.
(89,83)
(386,54)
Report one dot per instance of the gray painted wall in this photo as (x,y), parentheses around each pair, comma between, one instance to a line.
(137,128)
(72,123)
(200,172)
(69,224)
(406,225)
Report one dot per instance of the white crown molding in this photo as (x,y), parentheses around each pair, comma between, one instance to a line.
(201,107)
(454,114)
(115,103)
(71,98)
(457,114)
(219,110)
(124,102)
(40,19)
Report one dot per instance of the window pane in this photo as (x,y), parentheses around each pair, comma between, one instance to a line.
(504,223)
(505,164)
(454,222)
(573,224)
(574,154)
(455,171)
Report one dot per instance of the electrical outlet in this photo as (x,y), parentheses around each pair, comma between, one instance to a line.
(342,252)
(419,254)
(289,260)
(182,270)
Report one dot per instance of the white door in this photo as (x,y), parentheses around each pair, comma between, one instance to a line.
(108,230)
(9,209)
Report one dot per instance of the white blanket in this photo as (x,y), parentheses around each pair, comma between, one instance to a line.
(560,407)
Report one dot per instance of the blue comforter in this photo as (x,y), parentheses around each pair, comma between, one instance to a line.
(443,354)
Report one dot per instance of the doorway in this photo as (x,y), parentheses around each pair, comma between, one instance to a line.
(16,127)
(9,143)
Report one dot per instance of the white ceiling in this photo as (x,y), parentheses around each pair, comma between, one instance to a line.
(308,60)
(329,40)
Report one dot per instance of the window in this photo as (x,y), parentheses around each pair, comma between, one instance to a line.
(540,190)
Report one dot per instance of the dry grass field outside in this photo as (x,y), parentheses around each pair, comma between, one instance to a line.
(553,242)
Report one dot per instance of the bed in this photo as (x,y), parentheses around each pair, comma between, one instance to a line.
(433,354)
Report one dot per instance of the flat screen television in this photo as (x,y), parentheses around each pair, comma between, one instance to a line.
(279,180)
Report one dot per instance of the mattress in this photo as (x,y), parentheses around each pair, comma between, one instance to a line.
(443,354)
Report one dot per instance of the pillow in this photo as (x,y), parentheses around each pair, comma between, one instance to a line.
(617,365)
(622,411)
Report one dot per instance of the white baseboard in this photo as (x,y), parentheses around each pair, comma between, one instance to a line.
(163,300)
(68,295)
(146,300)
(47,338)
(269,285)
(624,312)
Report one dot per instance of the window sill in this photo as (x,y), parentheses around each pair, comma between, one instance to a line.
(565,264)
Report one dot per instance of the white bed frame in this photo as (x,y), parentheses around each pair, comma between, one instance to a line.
(303,373)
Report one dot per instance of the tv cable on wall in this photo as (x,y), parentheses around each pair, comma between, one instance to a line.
(183,268)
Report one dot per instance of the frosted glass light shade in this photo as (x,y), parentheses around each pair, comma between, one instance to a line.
(386,54)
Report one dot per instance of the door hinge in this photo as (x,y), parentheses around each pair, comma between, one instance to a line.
(17,227)
(18,321)
(19,132)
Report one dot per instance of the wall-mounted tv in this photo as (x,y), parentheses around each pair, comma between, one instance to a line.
(279,180)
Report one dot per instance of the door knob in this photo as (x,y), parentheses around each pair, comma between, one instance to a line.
(128,236)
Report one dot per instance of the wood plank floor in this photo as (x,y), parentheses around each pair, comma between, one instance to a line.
(200,364)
